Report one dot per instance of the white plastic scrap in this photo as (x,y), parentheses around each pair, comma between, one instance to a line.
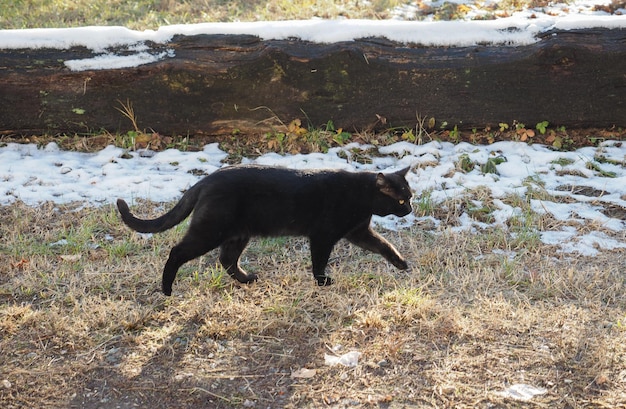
(521,391)
(350,359)
(304,373)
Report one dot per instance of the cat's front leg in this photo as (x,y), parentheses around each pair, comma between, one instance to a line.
(320,252)
(368,239)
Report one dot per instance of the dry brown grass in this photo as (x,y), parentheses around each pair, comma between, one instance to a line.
(82,323)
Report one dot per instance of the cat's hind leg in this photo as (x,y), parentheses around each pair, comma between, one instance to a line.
(368,239)
(230,251)
(191,246)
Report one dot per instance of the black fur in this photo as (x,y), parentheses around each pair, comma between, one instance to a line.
(236,203)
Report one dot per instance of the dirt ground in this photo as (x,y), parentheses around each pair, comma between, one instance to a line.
(83,324)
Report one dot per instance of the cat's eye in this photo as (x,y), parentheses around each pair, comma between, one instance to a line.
(401,201)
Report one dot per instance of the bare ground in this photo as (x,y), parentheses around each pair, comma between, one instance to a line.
(83,325)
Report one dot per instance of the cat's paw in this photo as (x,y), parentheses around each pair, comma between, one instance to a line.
(247,278)
(324,281)
(401,264)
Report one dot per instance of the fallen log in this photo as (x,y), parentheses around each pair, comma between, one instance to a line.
(220,84)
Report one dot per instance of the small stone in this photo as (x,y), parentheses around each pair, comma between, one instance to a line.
(6,384)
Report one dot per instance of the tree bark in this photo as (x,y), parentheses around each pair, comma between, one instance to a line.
(219,84)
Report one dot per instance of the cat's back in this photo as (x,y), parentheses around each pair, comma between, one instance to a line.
(307,190)
(258,177)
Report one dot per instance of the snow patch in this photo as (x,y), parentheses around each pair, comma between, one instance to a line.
(120,47)
(35,175)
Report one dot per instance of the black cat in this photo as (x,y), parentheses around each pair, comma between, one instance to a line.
(236,203)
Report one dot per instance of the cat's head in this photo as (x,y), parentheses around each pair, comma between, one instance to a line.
(394,194)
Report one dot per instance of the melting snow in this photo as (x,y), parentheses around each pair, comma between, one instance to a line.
(119,47)
(35,175)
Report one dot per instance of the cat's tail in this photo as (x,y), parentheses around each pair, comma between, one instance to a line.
(179,212)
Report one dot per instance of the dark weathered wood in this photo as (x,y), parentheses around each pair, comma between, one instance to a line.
(216,84)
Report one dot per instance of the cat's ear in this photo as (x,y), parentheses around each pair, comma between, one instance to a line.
(403,172)
(383,185)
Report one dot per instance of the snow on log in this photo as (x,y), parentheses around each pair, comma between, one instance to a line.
(218,84)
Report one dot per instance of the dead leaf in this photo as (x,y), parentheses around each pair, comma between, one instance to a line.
(70,257)
(97,254)
(273,144)
(601,379)
(295,124)
(329,400)
(142,140)
(295,128)
(20,265)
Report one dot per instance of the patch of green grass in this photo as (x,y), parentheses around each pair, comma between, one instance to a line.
(603,159)
(270,244)
(592,165)
(535,190)
(491,165)
(563,161)
(534,180)
(497,238)
(482,213)
(212,277)
(465,164)
(525,235)
(406,297)
(424,204)
(122,249)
